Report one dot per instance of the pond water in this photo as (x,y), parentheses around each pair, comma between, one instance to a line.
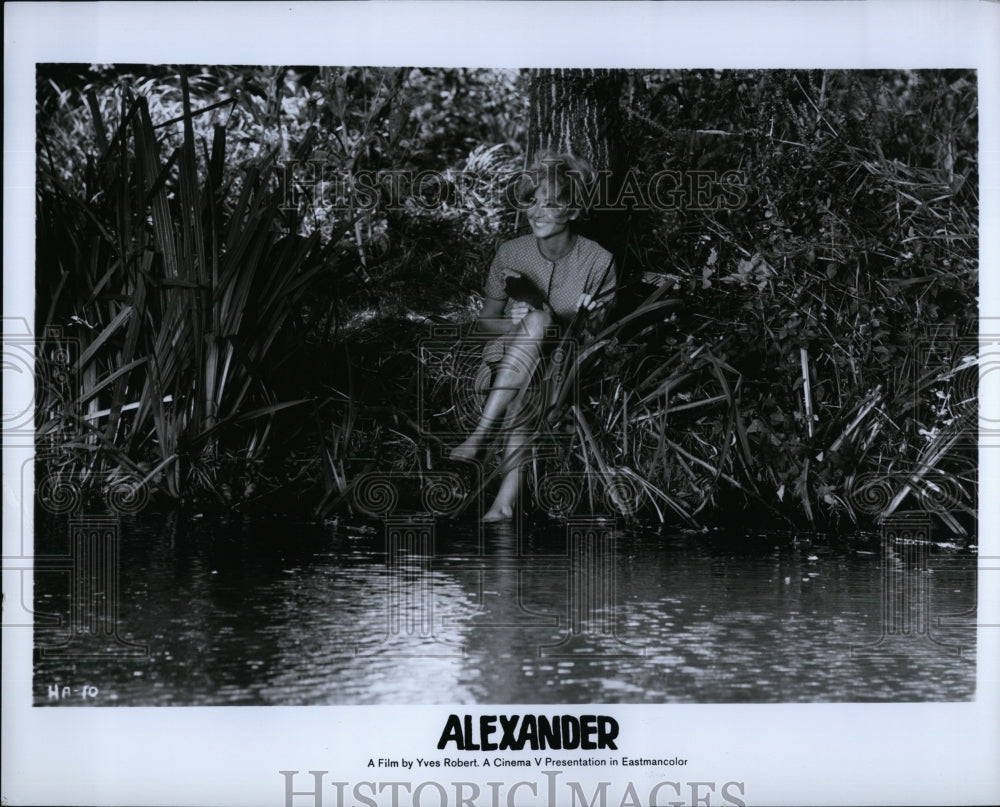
(418,611)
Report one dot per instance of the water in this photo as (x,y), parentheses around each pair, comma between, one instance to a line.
(279,613)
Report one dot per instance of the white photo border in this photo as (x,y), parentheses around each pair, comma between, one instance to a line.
(803,754)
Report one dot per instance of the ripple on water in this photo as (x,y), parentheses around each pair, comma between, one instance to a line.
(332,623)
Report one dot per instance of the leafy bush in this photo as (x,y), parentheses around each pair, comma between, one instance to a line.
(853,259)
(804,351)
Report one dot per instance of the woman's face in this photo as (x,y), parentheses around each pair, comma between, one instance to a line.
(547,216)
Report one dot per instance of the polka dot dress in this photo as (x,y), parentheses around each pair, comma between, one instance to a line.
(587,268)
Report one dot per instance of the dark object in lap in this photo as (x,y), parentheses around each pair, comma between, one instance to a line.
(524,291)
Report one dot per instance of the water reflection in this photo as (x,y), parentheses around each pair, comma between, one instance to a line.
(418,611)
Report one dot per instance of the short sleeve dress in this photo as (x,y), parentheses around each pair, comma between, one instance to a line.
(587,268)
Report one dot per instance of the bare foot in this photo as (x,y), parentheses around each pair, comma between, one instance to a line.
(499,513)
(466,450)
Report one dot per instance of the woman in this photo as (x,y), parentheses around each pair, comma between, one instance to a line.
(571,276)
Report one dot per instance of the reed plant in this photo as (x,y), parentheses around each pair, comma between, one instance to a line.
(827,344)
(818,365)
(807,356)
(174,298)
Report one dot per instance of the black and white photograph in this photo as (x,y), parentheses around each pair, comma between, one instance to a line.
(484,413)
(410,385)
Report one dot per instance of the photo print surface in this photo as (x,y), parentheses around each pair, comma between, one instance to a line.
(380,385)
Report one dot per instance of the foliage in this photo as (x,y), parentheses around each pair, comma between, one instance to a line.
(176,301)
(823,363)
(850,264)
(799,343)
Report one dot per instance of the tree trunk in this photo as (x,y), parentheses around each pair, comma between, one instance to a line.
(577,111)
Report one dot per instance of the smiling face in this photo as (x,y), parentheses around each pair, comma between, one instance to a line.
(548,215)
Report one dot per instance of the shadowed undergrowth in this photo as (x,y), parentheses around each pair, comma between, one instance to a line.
(808,357)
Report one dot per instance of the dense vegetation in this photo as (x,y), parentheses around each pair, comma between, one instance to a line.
(241,328)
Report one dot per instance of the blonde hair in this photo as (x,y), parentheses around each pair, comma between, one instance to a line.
(569,179)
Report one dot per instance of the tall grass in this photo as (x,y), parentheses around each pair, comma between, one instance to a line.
(175,298)
(806,357)
(821,368)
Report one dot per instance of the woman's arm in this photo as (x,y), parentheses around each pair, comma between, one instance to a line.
(491,317)
(593,306)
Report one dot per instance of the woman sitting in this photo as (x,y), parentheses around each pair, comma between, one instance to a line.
(562,277)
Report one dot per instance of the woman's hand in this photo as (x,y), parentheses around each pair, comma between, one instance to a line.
(586,302)
(492,317)
(519,310)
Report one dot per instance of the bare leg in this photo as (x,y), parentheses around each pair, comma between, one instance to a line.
(515,369)
(505,501)
(503,505)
